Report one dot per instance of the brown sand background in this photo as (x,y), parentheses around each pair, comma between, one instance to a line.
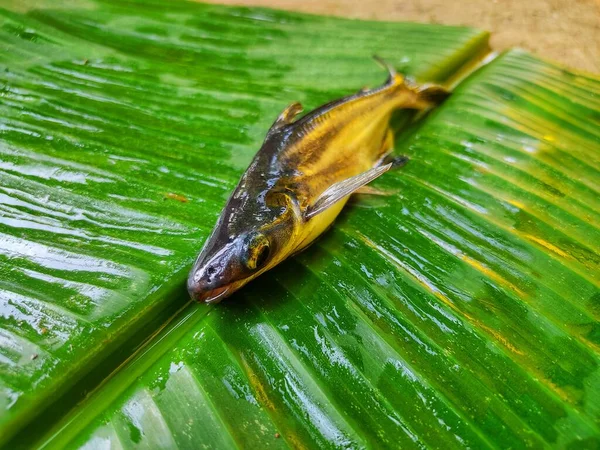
(567,31)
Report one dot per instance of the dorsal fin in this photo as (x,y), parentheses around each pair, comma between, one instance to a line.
(286,117)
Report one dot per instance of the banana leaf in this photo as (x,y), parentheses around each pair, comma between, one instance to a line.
(461,310)
(123,128)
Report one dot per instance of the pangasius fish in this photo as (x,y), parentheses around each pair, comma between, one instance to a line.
(300,180)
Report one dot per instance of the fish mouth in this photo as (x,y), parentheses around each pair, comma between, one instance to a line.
(203,293)
(213,296)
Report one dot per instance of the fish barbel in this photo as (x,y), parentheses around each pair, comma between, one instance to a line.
(300,180)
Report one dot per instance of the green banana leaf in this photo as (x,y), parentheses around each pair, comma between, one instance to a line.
(124,127)
(459,311)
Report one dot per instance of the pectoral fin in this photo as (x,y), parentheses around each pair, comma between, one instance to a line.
(342,189)
(368,190)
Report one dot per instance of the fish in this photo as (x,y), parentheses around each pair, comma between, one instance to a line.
(300,179)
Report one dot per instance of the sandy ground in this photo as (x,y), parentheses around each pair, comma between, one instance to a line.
(567,31)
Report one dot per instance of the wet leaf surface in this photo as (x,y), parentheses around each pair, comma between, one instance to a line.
(462,311)
(114,113)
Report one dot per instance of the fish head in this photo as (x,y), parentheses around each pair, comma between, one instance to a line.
(241,248)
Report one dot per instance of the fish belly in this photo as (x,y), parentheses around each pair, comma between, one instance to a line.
(319,224)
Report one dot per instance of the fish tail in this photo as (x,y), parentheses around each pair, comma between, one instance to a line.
(433,94)
(420,96)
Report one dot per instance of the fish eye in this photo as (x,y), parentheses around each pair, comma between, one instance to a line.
(257,251)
